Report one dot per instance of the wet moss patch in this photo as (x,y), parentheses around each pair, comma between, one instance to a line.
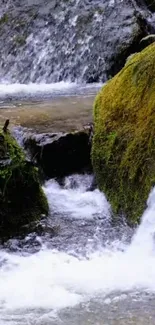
(21,197)
(123,151)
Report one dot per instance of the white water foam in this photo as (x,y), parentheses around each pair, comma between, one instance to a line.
(34,88)
(44,89)
(52,279)
(74,200)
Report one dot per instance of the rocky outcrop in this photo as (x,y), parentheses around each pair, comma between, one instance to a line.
(49,41)
(21,197)
(60,154)
(123,151)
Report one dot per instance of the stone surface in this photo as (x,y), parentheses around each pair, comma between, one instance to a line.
(60,154)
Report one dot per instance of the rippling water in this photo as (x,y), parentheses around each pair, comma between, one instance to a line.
(47,107)
(92,272)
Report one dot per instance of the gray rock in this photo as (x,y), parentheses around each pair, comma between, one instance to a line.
(60,154)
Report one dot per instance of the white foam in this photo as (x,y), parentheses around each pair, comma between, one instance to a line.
(76,202)
(52,279)
(55,280)
(36,282)
(34,88)
(43,89)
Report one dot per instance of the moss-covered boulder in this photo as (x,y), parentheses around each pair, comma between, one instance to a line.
(123,152)
(21,197)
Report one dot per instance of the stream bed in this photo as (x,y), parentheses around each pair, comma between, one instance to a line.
(94,270)
(57,107)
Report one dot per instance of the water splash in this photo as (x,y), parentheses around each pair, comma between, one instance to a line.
(143,242)
(43,90)
(51,280)
(76,200)
(71,41)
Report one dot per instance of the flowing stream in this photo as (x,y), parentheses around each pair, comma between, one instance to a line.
(48,107)
(92,272)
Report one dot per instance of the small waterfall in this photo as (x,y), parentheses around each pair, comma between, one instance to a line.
(143,242)
(75,40)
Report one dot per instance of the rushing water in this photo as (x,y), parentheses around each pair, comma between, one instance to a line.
(92,272)
(76,40)
(36,91)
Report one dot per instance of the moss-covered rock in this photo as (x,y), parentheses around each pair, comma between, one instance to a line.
(21,197)
(123,151)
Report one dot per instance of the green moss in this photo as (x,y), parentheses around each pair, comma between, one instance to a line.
(21,197)
(123,151)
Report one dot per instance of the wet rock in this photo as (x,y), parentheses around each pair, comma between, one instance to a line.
(146,41)
(76,40)
(22,200)
(60,154)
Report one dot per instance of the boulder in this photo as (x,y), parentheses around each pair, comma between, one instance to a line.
(60,154)
(21,197)
(123,153)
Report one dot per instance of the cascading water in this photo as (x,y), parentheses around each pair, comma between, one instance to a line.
(51,48)
(75,40)
(82,275)
(92,271)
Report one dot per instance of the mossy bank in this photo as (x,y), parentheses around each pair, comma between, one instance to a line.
(21,197)
(123,152)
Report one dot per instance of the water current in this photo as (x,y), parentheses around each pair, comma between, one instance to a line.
(43,90)
(92,272)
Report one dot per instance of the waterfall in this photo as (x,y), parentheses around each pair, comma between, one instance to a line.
(74,41)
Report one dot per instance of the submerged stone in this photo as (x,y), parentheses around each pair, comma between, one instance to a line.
(21,197)
(123,151)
